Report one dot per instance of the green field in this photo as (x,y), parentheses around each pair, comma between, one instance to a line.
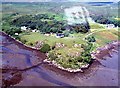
(102,36)
(69,41)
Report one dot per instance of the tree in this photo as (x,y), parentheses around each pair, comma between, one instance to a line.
(52,56)
(45,48)
(86,55)
(66,33)
(84,28)
(91,39)
(54,30)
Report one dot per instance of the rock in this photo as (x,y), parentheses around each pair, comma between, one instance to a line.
(59,45)
(77,45)
(77,54)
(39,44)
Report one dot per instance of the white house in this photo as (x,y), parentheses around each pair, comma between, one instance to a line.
(47,34)
(60,35)
(109,26)
(23,28)
(16,34)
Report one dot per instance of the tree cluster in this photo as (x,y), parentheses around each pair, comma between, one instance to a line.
(105,20)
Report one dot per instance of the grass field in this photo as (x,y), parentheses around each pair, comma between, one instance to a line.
(51,40)
(96,26)
(103,36)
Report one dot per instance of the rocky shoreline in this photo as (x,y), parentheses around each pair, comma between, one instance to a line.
(99,53)
(102,51)
(20,42)
(65,69)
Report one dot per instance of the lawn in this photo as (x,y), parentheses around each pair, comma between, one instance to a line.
(51,40)
(102,36)
(105,36)
(96,26)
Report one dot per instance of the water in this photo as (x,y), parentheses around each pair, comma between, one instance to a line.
(100,73)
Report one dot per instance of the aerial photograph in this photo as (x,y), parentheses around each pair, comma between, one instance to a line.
(59,43)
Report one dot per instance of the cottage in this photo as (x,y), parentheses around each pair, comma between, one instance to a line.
(109,26)
(16,34)
(34,30)
(23,28)
(37,30)
(60,35)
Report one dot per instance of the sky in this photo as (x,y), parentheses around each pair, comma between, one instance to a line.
(59,0)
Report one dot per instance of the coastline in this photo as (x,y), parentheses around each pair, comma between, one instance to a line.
(98,54)
(101,52)
(19,41)
(23,45)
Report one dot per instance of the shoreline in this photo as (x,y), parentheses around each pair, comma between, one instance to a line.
(98,54)
(19,41)
(101,52)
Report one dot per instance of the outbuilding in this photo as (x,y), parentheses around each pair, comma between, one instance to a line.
(60,35)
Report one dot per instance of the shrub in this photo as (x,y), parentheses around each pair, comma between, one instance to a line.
(91,39)
(30,43)
(66,33)
(87,59)
(52,56)
(53,46)
(45,48)
(79,59)
(23,41)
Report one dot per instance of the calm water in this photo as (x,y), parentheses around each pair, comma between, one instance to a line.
(101,73)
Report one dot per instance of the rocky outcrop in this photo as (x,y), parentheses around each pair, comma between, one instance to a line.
(105,50)
(65,69)
(39,44)
(59,45)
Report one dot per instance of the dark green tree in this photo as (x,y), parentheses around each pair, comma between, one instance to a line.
(45,48)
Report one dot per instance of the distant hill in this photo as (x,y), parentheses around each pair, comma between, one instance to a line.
(100,3)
